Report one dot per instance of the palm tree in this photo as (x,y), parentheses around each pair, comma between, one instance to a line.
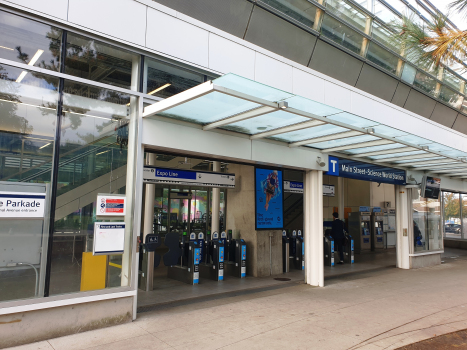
(430,44)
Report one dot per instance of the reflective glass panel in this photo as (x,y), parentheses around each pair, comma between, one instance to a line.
(353,120)
(349,14)
(408,73)
(427,231)
(450,97)
(451,79)
(452,215)
(94,60)
(164,80)
(209,108)
(93,158)
(374,148)
(28,117)
(253,88)
(310,106)
(265,122)
(425,83)
(304,134)
(418,159)
(343,142)
(464,215)
(341,34)
(384,13)
(300,10)
(382,58)
(26,41)
(383,35)
(401,154)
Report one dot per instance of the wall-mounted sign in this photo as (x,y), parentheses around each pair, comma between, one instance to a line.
(297,187)
(110,205)
(329,190)
(293,187)
(187,177)
(109,238)
(268,199)
(22,205)
(364,171)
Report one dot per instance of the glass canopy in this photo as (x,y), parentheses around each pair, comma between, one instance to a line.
(241,105)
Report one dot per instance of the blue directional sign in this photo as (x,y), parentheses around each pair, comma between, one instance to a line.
(364,171)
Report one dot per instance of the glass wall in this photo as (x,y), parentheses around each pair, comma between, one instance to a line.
(28,114)
(86,157)
(427,231)
(29,42)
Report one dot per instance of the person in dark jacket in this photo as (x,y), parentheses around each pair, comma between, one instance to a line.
(338,228)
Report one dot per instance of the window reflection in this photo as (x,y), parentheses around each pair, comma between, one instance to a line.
(300,10)
(452,215)
(341,34)
(91,59)
(29,42)
(164,80)
(382,58)
(427,232)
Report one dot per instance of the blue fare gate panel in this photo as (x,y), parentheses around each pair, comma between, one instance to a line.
(332,253)
(243,271)
(221,263)
(197,256)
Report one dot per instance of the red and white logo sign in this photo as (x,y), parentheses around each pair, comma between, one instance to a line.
(111,205)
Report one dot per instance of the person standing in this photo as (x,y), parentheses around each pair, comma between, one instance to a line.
(338,228)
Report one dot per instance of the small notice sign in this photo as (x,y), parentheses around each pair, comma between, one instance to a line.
(109,238)
(108,205)
(21,205)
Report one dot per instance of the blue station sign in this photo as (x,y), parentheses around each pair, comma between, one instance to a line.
(364,171)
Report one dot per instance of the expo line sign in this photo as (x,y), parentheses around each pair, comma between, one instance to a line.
(22,205)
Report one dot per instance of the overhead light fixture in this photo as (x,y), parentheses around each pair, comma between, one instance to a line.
(45,145)
(370,130)
(320,162)
(283,104)
(31,63)
(159,89)
(6,48)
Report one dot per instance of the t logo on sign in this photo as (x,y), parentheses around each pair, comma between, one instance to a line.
(333,166)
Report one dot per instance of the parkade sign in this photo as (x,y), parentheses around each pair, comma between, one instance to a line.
(21,205)
(364,171)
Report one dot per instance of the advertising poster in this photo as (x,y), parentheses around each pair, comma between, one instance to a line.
(269,199)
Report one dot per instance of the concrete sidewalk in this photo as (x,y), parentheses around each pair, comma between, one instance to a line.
(382,309)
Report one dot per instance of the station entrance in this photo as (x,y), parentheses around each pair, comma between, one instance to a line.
(200,235)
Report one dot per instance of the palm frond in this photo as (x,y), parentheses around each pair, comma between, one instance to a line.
(430,45)
(459,6)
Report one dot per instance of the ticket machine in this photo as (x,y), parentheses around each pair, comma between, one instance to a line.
(360,229)
(377,233)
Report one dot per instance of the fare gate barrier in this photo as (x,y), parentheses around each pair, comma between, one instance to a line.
(285,252)
(237,255)
(213,267)
(188,273)
(349,250)
(149,262)
(328,249)
(299,257)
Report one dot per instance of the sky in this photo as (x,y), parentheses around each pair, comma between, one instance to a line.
(458,19)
